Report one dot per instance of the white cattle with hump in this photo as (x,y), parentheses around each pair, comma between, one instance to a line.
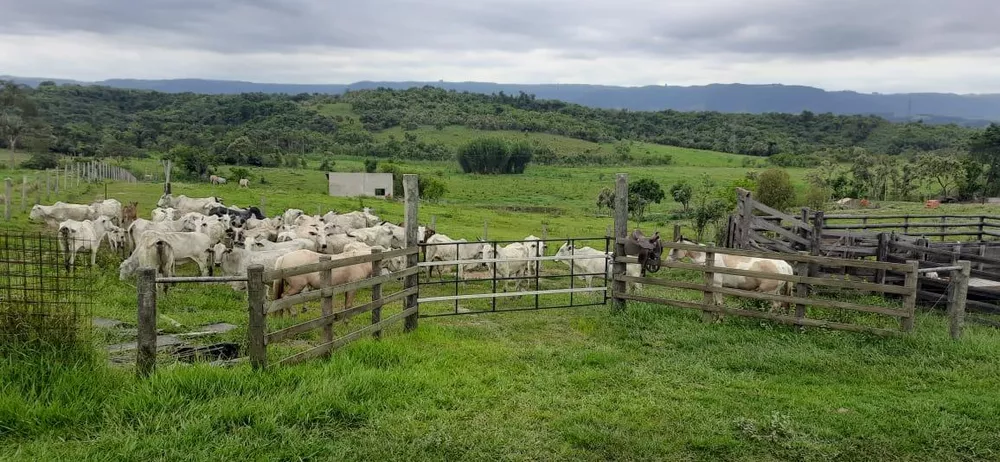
(443,248)
(185,204)
(53,215)
(190,246)
(110,208)
(75,236)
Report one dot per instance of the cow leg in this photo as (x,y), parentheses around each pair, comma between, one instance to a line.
(93,257)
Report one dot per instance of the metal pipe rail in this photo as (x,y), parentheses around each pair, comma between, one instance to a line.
(425,264)
(450,298)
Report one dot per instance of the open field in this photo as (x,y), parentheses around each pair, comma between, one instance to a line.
(652,383)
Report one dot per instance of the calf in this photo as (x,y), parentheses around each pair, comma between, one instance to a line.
(82,235)
(130,213)
(244,183)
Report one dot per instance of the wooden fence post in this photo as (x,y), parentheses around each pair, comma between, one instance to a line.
(816,241)
(801,288)
(486,230)
(8,191)
(906,224)
(944,226)
(55,186)
(881,254)
(411,196)
(48,186)
(145,360)
(677,233)
(166,181)
(910,299)
(708,297)
(746,218)
(377,292)
(326,303)
(24,193)
(621,231)
(959,291)
(433,222)
(258,323)
(982,224)
(803,231)
(66,177)
(38,191)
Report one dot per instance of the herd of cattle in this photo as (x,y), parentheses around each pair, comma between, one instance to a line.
(210,234)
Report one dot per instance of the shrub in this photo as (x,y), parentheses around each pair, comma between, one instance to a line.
(817,197)
(647,189)
(238,173)
(682,193)
(371,165)
(495,156)
(431,189)
(41,161)
(327,165)
(774,188)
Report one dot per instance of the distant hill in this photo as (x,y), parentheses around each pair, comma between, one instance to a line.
(971,110)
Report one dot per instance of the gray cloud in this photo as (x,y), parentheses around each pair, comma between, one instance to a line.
(798,29)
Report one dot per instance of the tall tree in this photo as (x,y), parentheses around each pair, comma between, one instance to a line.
(17,112)
(985,148)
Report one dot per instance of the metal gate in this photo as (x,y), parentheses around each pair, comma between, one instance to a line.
(481,272)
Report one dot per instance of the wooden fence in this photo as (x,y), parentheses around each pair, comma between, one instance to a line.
(807,276)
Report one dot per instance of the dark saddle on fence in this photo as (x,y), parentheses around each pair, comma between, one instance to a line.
(647,249)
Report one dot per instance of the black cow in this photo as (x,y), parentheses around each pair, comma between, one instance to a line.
(239,217)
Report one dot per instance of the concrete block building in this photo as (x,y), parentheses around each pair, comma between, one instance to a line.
(344,184)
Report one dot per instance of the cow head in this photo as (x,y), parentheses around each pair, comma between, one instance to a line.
(165,201)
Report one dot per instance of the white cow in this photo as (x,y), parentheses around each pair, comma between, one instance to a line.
(185,204)
(515,266)
(289,217)
(168,213)
(195,247)
(535,248)
(258,243)
(141,225)
(213,227)
(337,242)
(235,261)
(244,183)
(110,208)
(598,265)
(444,248)
(59,212)
(218,180)
(351,220)
(376,235)
(82,235)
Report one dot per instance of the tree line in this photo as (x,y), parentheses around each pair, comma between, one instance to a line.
(277,130)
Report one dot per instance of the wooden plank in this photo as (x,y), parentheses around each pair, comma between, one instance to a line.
(940,226)
(377,292)
(801,289)
(202,279)
(326,303)
(327,320)
(505,260)
(781,231)
(944,253)
(821,281)
(451,298)
(808,322)
(824,261)
(776,213)
(782,247)
(335,263)
(313,295)
(326,348)
(770,297)
(863,251)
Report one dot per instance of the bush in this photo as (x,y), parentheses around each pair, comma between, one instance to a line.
(495,156)
(371,165)
(42,161)
(237,173)
(431,189)
(647,189)
(327,165)
(682,192)
(774,189)
(817,197)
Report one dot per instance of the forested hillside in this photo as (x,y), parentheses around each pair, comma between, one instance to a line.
(271,129)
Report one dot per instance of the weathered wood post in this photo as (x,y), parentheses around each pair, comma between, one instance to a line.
(802,229)
(906,224)
(708,293)
(411,196)
(677,232)
(168,166)
(486,230)
(982,253)
(944,226)
(24,193)
(433,224)
(55,186)
(745,201)
(801,288)
(8,191)
(145,360)
(48,186)
(982,225)
(621,232)
(258,323)
(910,299)
(66,176)
(957,294)
(326,303)
(881,254)
(38,191)
(377,292)
(816,241)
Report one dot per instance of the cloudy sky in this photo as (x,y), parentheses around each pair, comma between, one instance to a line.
(865,45)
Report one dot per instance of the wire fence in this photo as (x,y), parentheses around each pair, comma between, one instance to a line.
(40,301)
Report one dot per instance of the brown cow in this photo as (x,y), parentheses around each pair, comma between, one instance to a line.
(130,213)
(292,285)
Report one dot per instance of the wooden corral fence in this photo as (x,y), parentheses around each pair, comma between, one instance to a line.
(259,340)
(884,238)
(808,276)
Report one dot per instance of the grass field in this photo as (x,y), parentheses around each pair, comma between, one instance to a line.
(652,383)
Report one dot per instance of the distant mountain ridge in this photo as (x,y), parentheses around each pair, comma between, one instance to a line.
(966,109)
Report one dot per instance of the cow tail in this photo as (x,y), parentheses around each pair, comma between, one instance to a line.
(211,261)
(161,257)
